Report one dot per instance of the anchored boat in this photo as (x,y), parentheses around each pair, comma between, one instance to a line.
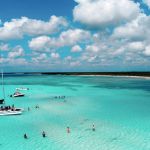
(8,110)
(17,94)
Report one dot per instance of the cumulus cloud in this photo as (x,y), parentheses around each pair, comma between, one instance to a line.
(137,29)
(66,38)
(93,48)
(55,55)
(13,61)
(40,58)
(136,46)
(147,51)
(97,13)
(125,41)
(18,51)
(68,58)
(40,43)
(106,50)
(136,34)
(4,47)
(17,61)
(17,28)
(75,63)
(147,2)
(76,48)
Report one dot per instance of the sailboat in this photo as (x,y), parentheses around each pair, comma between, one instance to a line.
(8,110)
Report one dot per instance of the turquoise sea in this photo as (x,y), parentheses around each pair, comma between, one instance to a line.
(119,107)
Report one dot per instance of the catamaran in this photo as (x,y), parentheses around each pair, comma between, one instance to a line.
(8,110)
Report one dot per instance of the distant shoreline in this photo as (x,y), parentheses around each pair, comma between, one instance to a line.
(139,77)
(145,75)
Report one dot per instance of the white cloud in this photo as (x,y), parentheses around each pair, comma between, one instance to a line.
(147,2)
(136,34)
(137,29)
(147,51)
(55,55)
(13,61)
(40,58)
(76,48)
(75,63)
(17,28)
(66,38)
(106,50)
(92,48)
(4,47)
(39,43)
(136,46)
(68,58)
(97,13)
(16,52)
(73,36)
(17,62)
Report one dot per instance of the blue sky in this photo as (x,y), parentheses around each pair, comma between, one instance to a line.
(37,9)
(75,35)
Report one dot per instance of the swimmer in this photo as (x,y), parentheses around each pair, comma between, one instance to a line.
(68,130)
(37,106)
(93,127)
(28,108)
(25,136)
(43,134)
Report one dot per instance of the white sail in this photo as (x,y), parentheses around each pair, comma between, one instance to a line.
(3,88)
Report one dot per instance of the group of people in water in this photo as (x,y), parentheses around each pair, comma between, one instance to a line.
(67,130)
(6,108)
(93,128)
(59,97)
(36,107)
(43,135)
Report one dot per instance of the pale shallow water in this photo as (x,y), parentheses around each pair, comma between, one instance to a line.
(119,108)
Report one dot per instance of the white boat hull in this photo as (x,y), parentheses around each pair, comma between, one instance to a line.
(9,112)
(25,89)
(19,95)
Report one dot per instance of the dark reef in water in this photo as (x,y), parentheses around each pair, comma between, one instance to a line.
(140,74)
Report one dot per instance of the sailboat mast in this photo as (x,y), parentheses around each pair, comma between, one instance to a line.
(3,85)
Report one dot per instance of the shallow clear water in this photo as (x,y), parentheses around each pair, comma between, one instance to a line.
(119,108)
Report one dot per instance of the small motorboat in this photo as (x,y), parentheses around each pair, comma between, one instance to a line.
(22,88)
(17,94)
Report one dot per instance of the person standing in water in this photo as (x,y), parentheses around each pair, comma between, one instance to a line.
(28,108)
(43,134)
(25,136)
(93,127)
(68,130)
